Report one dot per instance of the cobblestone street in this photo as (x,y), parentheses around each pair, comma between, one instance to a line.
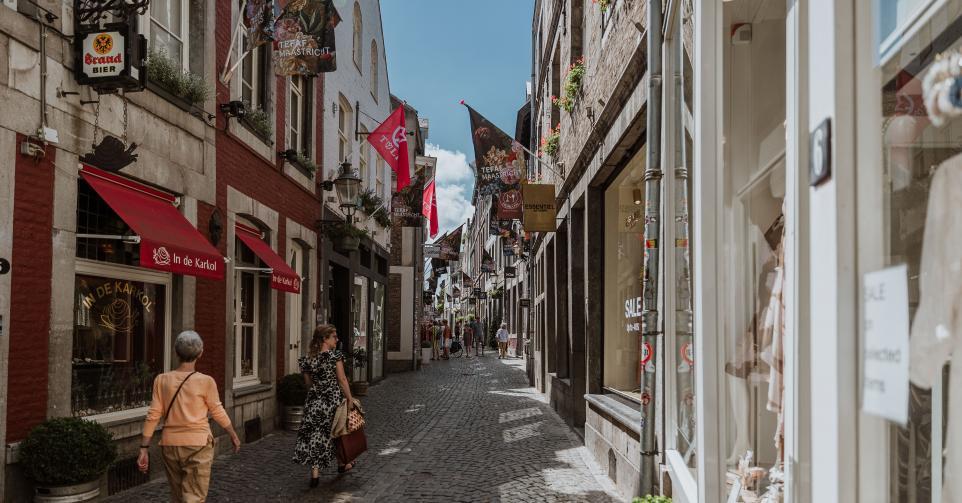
(466,430)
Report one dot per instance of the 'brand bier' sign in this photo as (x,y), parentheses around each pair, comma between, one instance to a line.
(110,58)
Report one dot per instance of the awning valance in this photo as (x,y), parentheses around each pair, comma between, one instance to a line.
(168,242)
(282,276)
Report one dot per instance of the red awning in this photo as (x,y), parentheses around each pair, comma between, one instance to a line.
(168,242)
(282,276)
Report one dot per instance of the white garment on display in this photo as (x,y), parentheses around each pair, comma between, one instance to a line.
(938,322)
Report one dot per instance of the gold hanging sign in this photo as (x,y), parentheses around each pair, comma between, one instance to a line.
(539,207)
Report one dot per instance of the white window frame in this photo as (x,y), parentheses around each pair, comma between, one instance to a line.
(345,114)
(374,69)
(147,21)
(254,379)
(129,273)
(295,115)
(358,28)
(257,76)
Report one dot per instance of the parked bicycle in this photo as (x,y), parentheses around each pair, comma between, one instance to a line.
(457,348)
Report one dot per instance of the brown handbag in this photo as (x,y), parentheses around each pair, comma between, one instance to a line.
(349,447)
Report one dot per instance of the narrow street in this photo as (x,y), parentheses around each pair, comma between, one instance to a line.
(461,430)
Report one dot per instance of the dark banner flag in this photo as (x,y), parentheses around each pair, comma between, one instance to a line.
(487,263)
(451,245)
(466,280)
(499,165)
(304,37)
(259,23)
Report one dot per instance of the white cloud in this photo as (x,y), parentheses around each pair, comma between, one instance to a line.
(455,182)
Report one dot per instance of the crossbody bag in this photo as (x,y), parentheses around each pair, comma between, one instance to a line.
(171,404)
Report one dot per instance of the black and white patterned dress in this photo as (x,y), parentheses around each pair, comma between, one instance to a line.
(315,446)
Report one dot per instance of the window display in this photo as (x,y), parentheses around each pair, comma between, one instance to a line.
(118,343)
(360,309)
(624,273)
(377,332)
(922,201)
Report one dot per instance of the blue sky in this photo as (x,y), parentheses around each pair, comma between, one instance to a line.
(441,51)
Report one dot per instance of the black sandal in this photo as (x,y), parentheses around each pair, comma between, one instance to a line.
(345,469)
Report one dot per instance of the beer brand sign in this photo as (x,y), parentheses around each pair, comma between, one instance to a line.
(103,54)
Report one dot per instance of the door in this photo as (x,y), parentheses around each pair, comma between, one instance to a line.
(295,313)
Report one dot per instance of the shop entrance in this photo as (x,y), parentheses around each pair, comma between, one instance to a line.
(340,308)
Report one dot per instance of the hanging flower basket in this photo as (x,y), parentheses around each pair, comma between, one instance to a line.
(550,142)
(346,237)
(572,86)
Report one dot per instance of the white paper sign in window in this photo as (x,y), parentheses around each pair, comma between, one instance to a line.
(885,383)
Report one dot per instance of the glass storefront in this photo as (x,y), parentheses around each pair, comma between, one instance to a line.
(624,275)
(377,331)
(360,309)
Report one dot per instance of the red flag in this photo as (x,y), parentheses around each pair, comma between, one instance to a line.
(390,139)
(429,207)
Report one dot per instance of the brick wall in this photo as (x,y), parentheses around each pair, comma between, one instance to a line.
(31,290)
(210,315)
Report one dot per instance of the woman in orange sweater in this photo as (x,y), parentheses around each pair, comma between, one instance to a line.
(184,398)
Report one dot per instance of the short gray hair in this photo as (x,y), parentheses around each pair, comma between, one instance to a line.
(188,345)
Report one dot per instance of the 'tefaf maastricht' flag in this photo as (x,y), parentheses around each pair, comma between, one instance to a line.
(390,139)
(429,208)
(499,165)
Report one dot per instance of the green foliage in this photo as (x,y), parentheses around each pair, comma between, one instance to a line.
(370,202)
(651,499)
(291,390)
(346,230)
(259,121)
(165,72)
(298,158)
(66,451)
(551,142)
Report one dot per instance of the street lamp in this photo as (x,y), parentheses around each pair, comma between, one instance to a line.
(348,185)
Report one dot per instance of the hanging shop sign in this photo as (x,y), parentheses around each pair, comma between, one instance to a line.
(487,263)
(499,164)
(466,281)
(539,207)
(476,293)
(885,384)
(432,251)
(110,58)
(406,205)
(304,38)
(510,272)
(524,303)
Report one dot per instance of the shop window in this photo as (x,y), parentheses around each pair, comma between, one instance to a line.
(359,304)
(377,331)
(358,35)
(345,122)
(251,296)
(623,278)
(919,201)
(96,218)
(119,338)
(300,113)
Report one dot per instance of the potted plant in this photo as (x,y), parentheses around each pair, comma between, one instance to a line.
(426,351)
(550,142)
(166,73)
(65,457)
(346,237)
(359,358)
(292,393)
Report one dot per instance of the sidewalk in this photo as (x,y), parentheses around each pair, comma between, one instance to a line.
(458,430)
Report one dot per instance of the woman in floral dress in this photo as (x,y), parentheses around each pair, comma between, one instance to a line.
(323,370)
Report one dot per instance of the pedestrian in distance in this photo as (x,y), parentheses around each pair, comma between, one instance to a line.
(478,335)
(435,340)
(468,334)
(446,333)
(184,398)
(503,337)
(327,388)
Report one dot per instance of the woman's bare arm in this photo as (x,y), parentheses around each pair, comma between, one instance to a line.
(345,386)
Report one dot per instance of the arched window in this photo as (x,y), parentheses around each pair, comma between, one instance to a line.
(358,28)
(374,69)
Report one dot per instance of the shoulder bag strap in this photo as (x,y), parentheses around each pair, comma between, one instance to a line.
(171,404)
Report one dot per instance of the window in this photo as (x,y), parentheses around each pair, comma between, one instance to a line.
(168,28)
(344,122)
(374,62)
(379,177)
(300,114)
(362,161)
(358,32)
(577,29)
(623,269)
(253,76)
(250,285)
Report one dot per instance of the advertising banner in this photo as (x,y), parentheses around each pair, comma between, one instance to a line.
(304,37)
(539,207)
(406,204)
(499,165)
(451,245)
(487,262)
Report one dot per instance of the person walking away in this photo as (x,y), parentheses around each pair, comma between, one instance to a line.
(435,340)
(478,335)
(502,336)
(468,334)
(183,398)
(446,333)
(327,388)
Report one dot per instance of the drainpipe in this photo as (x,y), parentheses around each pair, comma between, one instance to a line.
(650,324)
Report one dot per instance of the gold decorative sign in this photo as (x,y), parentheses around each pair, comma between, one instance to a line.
(539,207)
